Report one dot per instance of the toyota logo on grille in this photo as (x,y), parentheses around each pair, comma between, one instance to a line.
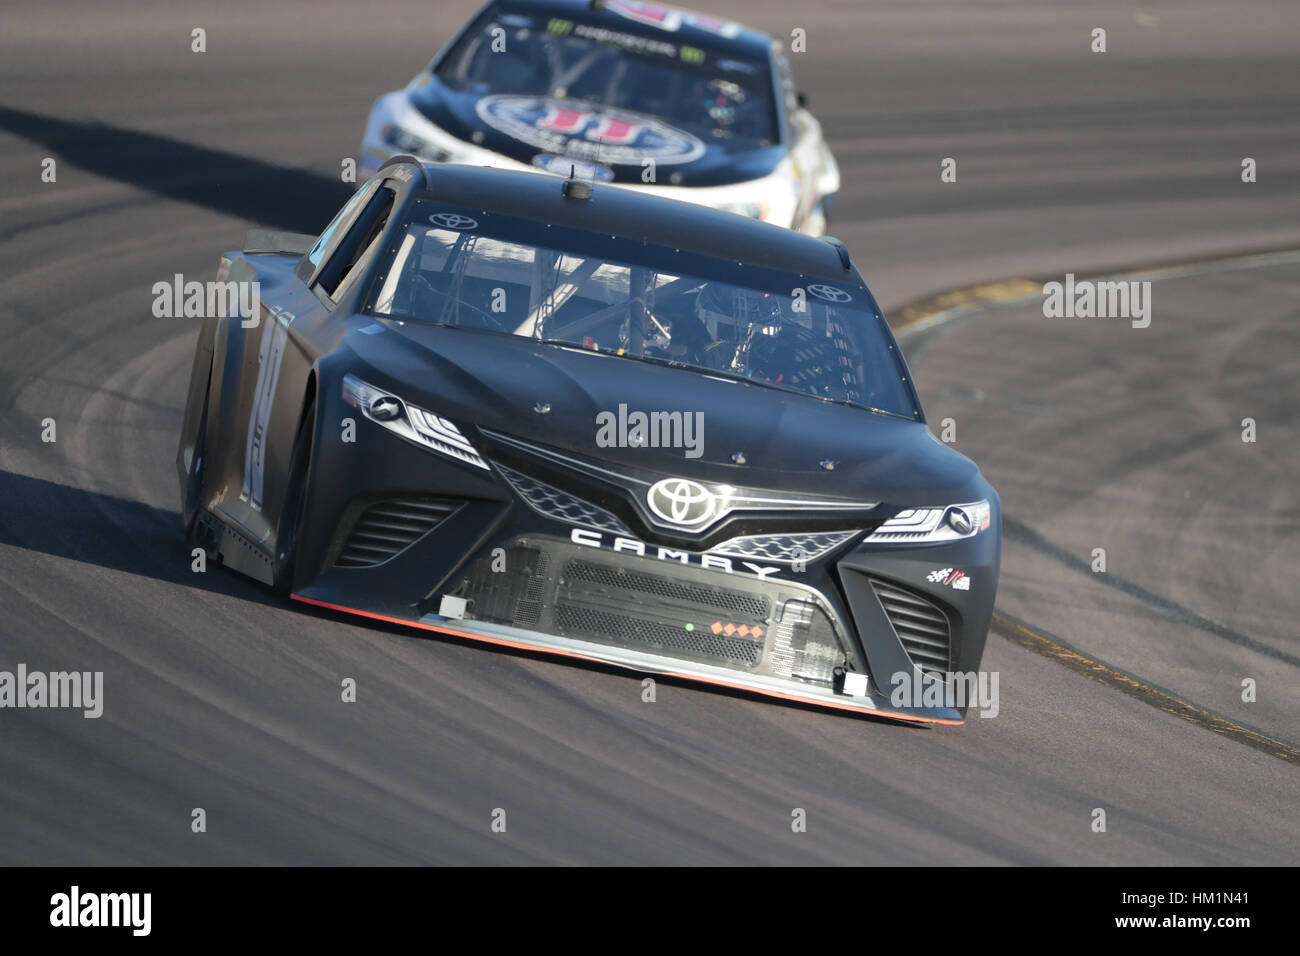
(681,501)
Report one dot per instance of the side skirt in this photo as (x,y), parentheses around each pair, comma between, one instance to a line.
(238,551)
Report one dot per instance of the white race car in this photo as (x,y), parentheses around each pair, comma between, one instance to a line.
(642,96)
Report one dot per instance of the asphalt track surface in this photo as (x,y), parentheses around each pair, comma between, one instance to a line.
(218,695)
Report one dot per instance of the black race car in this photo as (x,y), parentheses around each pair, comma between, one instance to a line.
(577,419)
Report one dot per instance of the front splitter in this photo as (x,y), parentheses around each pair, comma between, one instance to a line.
(503,636)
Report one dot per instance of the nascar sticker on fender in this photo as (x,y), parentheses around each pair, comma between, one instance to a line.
(954,578)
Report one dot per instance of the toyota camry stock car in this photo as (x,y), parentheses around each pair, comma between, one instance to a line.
(549,414)
(618,91)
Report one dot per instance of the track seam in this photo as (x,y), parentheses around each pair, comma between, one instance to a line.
(1022,635)
(936,310)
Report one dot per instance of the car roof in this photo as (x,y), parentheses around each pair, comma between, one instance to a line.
(619,211)
(662,22)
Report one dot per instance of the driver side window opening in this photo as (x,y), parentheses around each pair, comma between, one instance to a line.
(358,201)
(361,239)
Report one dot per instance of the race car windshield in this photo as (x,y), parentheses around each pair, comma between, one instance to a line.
(477,270)
(574,65)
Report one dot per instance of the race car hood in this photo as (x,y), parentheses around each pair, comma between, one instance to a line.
(517,126)
(552,395)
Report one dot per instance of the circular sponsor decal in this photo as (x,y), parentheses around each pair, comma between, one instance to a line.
(580,168)
(579,130)
(829,292)
(453,220)
(681,501)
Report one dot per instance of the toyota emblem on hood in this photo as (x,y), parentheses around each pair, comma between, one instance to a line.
(681,501)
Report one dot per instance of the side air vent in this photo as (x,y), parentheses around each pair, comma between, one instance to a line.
(920,625)
(390,527)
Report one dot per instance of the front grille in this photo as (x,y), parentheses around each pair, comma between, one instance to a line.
(560,505)
(921,626)
(699,642)
(784,548)
(390,527)
(664,608)
(509,588)
(667,589)
(657,612)
(803,643)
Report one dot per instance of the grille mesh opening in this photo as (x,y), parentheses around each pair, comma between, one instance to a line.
(390,527)
(513,593)
(678,612)
(656,635)
(620,605)
(920,624)
(737,602)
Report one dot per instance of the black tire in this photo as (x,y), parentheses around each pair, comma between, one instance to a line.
(291,515)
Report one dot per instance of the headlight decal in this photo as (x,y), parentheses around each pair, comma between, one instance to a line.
(934,524)
(405,141)
(411,422)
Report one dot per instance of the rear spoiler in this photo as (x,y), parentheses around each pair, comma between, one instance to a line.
(286,243)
